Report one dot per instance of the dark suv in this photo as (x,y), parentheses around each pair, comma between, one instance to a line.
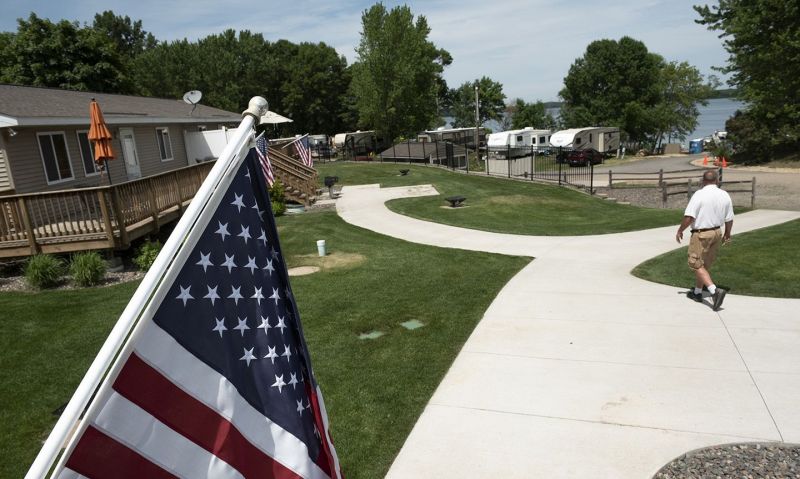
(584,157)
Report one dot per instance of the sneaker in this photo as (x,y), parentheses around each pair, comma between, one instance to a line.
(718,297)
(694,296)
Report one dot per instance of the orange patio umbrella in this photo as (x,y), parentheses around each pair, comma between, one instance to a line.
(100,136)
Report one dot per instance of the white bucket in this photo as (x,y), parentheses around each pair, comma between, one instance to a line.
(321,247)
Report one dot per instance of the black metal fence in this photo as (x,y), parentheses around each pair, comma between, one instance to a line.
(565,166)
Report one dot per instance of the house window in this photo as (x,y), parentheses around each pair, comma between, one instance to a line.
(53,148)
(164,145)
(87,153)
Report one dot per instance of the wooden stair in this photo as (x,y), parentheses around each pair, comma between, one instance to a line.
(299,180)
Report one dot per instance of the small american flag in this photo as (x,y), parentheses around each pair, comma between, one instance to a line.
(303,150)
(262,151)
(218,383)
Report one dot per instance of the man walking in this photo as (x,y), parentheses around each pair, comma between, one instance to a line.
(708,209)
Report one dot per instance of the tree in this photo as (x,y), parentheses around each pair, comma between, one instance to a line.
(762,38)
(615,83)
(682,89)
(531,114)
(62,55)
(491,104)
(129,36)
(397,71)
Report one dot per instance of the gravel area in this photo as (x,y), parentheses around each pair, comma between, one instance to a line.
(18,284)
(741,461)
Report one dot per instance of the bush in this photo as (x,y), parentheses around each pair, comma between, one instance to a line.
(146,254)
(44,271)
(87,269)
(277,195)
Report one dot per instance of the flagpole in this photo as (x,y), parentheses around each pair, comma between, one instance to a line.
(140,299)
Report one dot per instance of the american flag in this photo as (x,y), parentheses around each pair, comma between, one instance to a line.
(218,383)
(262,151)
(303,150)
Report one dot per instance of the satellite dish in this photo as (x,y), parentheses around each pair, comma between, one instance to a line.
(193,98)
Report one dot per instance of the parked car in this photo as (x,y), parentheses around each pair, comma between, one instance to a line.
(584,157)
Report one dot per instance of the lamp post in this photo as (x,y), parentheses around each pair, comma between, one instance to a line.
(477,125)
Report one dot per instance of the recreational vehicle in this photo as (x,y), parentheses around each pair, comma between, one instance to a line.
(357,145)
(459,136)
(602,139)
(516,143)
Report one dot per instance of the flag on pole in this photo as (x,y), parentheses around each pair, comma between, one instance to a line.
(303,150)
(262,151)
(217,381)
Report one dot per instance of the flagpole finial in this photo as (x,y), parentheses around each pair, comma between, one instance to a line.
(257,107)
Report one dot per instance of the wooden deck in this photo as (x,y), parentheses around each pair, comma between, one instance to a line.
(106,217)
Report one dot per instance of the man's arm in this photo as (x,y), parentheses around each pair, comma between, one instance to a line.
(727,235)
(687,220)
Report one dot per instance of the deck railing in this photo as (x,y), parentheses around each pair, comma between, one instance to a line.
(104,217)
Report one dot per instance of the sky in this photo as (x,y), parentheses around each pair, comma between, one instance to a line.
(528,46)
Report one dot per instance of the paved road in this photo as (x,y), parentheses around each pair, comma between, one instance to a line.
(580,370)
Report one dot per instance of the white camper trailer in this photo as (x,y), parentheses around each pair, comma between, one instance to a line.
(602,139)
(516,143)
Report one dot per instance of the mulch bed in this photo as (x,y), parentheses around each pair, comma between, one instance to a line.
(741,461)
(18,284)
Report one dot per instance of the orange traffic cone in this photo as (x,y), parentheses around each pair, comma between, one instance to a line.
(724,162)
(705,160)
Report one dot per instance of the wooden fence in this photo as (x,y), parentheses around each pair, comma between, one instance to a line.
(688,188)
(106,217)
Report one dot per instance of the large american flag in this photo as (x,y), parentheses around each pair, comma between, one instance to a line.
(303,150)
(219,381)
(262,151)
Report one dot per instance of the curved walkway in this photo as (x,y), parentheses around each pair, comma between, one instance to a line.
(580,370)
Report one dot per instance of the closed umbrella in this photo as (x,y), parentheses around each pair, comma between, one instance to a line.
(100,136)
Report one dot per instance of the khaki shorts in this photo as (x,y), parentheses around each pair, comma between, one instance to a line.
(703,247)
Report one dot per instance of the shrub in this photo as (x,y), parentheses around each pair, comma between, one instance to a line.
(146,255)
(277,195)
(87,269)
(44,271)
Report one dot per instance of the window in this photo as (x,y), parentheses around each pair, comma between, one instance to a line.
(87,153)
(578,140)
(201,128)
(541,140)
(519,138)
(590,137)
(53,148)
(164,146)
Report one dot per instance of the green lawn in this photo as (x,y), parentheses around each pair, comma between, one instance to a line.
(500,205)
(374,389)
(764,262)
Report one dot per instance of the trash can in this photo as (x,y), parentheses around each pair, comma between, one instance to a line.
(696,146)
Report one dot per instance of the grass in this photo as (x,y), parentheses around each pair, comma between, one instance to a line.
(765,262)
(374,389)
(501,205)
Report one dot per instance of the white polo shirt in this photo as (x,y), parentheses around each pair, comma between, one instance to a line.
(710,207)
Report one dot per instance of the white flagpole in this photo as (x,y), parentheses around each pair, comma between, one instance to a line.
(47,455)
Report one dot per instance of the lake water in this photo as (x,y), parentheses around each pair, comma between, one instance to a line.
(712,117)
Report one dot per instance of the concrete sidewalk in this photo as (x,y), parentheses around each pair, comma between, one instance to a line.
(580,370)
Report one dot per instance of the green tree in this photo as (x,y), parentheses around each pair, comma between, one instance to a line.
(396,75)
(762,38)
(682,89)
(615,83)
(63,55)
(128,35)
(531,114)
(491,102)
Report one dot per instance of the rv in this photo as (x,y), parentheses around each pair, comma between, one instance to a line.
(320,145)
(357,145)
(459,136)
(602,139)
(516,143)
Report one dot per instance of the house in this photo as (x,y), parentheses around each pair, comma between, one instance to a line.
(602,139)
(437,153)
(44,145)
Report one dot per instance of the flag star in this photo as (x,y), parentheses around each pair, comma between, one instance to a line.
(275,295)
(251,264)
(236,294)
(185,294)
(222,230)
(269,267)
(287,292)
(242,325)
(293,381)
(247,175)
(279,383)
(264,324)
(212,294)
(260,211)
(287,351)
(238,203)
(316,431)
(248,355)
(281,324)
(229,263)
(271,355)
(258,295)
(205,261)
(274,253)
(220,327)
(263,237)
(300,407)
(245,234)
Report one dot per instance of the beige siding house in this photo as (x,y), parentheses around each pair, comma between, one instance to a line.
(44,145)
